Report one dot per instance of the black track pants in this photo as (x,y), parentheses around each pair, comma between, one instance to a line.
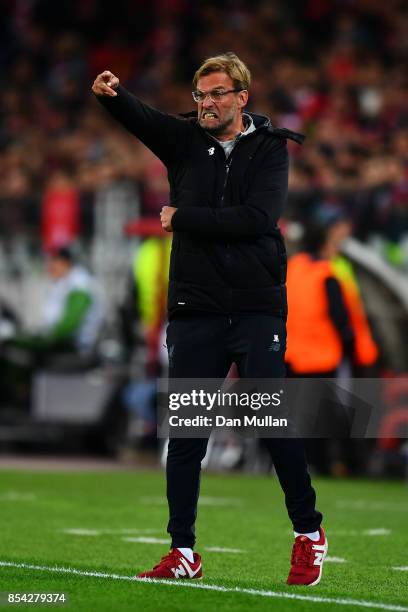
(205,347)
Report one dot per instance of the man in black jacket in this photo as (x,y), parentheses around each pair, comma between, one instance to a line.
(228,172)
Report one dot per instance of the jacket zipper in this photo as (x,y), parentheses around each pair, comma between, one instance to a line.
(227,169)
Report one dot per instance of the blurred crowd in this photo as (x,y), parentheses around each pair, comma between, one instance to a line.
(334,70)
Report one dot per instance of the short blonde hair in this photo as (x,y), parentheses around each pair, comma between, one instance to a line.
(228,63)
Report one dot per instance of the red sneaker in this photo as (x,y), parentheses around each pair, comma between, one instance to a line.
(175,565)
(307,560)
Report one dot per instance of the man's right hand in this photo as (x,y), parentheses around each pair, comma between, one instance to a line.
(105,84)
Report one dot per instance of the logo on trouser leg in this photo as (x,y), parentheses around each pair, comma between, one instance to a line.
(275,344)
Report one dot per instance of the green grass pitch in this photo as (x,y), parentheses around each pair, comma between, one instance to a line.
(366,524)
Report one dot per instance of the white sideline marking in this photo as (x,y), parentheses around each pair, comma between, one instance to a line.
(17,496)
(336,560)
(380,531)
(211,587)
(401,569)
(118,531)
(95,532)
(203,501)
(82,532)
(362,504)
(234,551)
(147,540)
(377,532)
(220,501)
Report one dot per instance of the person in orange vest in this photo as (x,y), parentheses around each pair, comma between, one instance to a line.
(366,352)
(326,322)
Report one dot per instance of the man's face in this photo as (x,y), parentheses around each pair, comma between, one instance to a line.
(225,115)
(57,267)
(337,234)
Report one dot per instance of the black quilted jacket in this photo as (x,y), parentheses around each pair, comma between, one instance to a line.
(228,256)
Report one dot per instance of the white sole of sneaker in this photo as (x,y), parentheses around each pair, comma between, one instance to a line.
(181,578)
(326,548)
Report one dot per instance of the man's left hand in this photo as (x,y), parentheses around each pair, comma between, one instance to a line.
(166,216)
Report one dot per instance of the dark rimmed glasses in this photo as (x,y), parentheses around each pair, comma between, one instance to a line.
(215,95)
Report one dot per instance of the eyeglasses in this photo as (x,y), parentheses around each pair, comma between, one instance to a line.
(215,94)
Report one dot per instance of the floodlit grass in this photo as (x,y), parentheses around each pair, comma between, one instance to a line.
(240,512)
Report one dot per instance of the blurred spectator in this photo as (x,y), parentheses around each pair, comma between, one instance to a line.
(71,324)
(60,213)
(320,331)
(72,311)
(326,320)
(150,268)
(146,302)
(328,333)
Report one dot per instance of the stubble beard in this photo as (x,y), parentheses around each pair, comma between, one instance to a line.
(219,130)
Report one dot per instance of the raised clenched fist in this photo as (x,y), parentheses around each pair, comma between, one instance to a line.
(105,84)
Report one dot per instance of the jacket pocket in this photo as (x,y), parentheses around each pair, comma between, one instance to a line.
(267,266)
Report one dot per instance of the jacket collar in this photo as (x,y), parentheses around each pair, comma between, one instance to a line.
(260,122)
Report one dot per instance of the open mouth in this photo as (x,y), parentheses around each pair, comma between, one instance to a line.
(209,115)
